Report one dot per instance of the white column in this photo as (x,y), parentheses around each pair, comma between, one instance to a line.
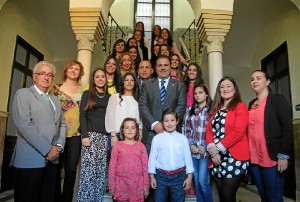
(85,46)
(214,46)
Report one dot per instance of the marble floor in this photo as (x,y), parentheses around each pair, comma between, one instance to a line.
(245,194)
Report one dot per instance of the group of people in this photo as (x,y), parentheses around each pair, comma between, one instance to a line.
(148,126)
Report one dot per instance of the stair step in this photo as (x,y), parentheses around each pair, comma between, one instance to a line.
(107,198)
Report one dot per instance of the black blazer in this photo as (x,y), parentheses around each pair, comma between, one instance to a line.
(278,125)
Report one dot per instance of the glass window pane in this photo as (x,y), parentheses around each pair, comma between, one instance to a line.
(284,87)
(21,55)
(150,1)
(162,9)
(32,61)
(29,81)
(17,83)
(144,9)
(282,62)
(148,35)
(162,1)
(163,22)
(147,22)
(270,68)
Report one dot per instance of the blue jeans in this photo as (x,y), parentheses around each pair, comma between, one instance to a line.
(169,184)
(109,142)
(269,183)
(201,176)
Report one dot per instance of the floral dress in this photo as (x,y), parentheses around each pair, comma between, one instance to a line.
(128,171)
(230,167)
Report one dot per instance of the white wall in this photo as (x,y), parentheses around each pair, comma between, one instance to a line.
(123,12)
(282,24)
(183,14)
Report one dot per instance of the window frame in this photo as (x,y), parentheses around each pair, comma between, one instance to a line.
(153,13)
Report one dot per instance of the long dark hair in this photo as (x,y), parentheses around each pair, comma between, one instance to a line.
(138,57)
(135,92)
(169,39)
(114,52)
(137,135)
(143,32)
(169,49)
(153,56)
(127,43)
(153,38)
(199,79)
(179,74)
(92,90)
(208,99)
(116,81)
(142,41)
(218,100)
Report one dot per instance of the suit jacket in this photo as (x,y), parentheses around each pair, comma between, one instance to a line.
(278,125)
(38,128)
(235,139)
(151,108)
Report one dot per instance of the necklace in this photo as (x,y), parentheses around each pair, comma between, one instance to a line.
(100,96)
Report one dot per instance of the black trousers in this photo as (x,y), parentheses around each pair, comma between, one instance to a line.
(69,158)
(35,184)
(227,187)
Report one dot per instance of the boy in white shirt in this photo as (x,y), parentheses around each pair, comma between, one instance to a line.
(169,161)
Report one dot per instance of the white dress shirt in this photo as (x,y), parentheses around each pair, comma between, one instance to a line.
(170,151)
(166,85)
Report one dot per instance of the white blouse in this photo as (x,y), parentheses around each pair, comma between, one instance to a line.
(116,112)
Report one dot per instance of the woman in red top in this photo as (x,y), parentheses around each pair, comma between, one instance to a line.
(226,138)
(270,137)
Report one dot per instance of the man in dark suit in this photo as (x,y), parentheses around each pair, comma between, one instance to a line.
(145,71)
(160,94)
(41,136)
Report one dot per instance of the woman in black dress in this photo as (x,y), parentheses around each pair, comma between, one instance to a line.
(94,139)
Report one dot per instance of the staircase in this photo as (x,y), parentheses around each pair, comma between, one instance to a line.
(107,198)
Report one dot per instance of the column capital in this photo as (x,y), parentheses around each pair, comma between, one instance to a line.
(86,41)
(213,25)
(88,25)
(214,43)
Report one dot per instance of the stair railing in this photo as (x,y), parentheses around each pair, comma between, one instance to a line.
(112,32)
(191,44)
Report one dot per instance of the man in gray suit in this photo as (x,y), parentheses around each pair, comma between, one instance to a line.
(160,94)
(41,136)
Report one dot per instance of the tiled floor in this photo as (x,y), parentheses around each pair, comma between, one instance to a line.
(245,194)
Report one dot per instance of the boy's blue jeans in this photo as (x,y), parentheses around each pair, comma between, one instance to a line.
(269,183)
(172,184)
(201,174)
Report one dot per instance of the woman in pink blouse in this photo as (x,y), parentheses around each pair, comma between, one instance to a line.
(270,137)
(193,77)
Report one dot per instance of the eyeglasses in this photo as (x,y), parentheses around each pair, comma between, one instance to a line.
(44,74)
